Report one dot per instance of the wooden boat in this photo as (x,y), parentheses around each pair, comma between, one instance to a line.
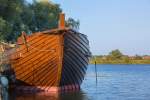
(51,60)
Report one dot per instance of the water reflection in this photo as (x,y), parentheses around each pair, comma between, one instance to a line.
(80,95)
(74,96)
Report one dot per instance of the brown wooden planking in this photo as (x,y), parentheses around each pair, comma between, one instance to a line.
(28,54)
(42,68)
(45,61)
(31,55)
(34,41)
(31,75)
(31,71)
(50,77)
(43,76)
(52,70)
(38,69)
(41,41)
(30,67)
(60,55)
(21,49)
(36,59)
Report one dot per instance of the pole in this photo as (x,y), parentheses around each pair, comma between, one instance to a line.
(4,88)
(96,71)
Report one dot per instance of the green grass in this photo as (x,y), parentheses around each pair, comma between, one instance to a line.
(100,61)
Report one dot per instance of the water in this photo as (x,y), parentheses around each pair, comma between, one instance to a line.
(115,82)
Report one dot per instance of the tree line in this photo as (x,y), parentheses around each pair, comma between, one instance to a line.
(19,15)
(117,57)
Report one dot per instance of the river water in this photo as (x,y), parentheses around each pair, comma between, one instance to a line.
(114,82)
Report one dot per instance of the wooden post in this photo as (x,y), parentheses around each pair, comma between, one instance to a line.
(4,88)
(0,90)
(96,71)
(61,21)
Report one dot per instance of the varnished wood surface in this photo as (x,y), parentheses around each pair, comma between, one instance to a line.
(39,65)
(51,58)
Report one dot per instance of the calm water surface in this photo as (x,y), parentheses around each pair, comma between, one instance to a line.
(115,82)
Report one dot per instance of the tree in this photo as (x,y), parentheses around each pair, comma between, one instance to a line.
(115,54)
(126,59)
(137,57)
(10,11)
(5,29)
(46,16)
(73,24)
(18,15)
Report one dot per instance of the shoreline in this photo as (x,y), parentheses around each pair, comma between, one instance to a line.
(121,62)
(115,64)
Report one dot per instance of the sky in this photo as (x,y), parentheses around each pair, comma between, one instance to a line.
(112,24)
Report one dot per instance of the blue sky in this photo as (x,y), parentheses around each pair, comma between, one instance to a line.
(112,24)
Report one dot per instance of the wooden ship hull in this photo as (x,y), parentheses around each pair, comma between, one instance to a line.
(51,60)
